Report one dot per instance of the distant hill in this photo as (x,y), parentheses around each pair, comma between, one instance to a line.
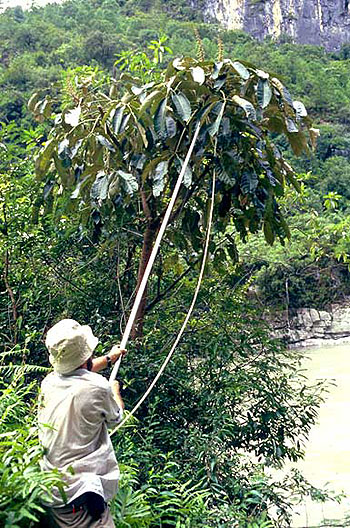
(317,22)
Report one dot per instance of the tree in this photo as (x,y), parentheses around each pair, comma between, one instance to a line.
(118,155)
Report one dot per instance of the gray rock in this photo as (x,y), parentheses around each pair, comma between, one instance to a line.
(319,22)
(325,317)
(306,318)
(314,315)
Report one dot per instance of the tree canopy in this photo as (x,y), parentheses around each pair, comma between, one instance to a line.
(118,155)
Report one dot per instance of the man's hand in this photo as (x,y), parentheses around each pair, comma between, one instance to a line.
(116,352)
(102,362)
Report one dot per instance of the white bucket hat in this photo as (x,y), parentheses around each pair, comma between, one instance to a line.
(70,344)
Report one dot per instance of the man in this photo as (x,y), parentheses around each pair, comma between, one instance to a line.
(75,408)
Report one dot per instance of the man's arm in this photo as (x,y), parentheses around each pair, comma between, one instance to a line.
(102,362)
(116,393)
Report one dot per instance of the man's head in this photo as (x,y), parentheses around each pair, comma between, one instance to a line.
(70,345)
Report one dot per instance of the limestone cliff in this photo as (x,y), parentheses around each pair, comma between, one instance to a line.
(319,22)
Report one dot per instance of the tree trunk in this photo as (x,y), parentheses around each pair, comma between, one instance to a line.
(148,240)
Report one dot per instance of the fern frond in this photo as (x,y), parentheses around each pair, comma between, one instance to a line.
(21,370)
(14,352)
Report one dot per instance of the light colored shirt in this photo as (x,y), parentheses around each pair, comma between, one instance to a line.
(74,411)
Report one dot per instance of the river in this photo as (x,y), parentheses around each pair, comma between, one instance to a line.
(327,458)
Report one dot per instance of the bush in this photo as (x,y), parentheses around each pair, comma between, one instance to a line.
(23,486)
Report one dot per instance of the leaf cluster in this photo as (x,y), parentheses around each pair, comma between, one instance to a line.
(110,155)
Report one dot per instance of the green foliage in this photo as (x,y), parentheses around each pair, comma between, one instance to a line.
(162,500)
(106,148)
(23,487)
(245,395)
(312,269)
(70,245)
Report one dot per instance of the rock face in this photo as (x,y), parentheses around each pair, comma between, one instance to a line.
(312,327)
(319,22)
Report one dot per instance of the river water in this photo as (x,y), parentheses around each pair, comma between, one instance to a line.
(327,458)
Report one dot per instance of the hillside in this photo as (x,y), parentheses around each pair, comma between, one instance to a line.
(40,45)
(317,22)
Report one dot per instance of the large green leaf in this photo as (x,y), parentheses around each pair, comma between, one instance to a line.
(159,174)
(300,109)
(187,179)
(222,174)
(160,119)
(214,128)
(99,189)
(142,132)
(171,127)
(246,105)
(268,232)
(105,142)
(117,119)
(242,70)
(298,142)
(46,107)
(198,74)
(129,182)
(291,125)
(249,182)
(33,101)
(64,153)
(44,159)
(216,70)
(283,91)
(182,106)
(153,96)
(264,93)
(124,123)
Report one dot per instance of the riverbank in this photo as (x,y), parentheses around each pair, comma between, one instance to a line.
(309,327)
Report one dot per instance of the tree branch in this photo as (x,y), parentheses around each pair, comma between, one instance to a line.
(161,295)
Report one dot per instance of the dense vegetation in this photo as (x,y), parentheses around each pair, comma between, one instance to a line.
(39,46)
(230,389)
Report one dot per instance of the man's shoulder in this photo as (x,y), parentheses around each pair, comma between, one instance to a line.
(95,379)
(78,377)
(49,379)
